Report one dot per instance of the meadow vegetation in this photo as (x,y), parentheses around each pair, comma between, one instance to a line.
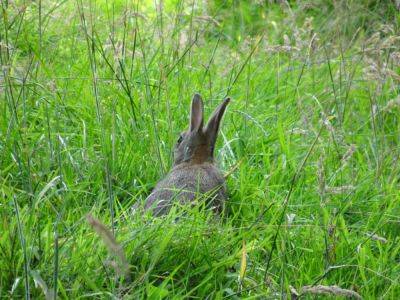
(93,95)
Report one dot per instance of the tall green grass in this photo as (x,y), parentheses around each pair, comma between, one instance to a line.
(94,94)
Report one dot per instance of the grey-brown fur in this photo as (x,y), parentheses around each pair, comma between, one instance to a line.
(194,174)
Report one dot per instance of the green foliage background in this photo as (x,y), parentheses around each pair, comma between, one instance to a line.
(93,95)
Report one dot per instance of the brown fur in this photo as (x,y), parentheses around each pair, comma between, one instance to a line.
(194,174)
(184,184)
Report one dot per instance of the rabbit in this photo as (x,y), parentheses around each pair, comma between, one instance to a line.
(193,173)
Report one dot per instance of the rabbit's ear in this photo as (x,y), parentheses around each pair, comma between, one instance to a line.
(213,124)
(196,116)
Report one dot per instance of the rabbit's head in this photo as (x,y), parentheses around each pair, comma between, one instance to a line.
(197,144)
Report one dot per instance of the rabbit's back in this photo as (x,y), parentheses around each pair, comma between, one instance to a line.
(186,182)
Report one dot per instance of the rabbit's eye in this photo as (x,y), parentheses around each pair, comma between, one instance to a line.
(180,139)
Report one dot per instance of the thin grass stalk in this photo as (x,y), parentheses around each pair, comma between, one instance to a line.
(91,46)
(286,201)
(23,246)
(55,260)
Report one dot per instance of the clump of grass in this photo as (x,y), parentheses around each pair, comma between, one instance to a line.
(94,94)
